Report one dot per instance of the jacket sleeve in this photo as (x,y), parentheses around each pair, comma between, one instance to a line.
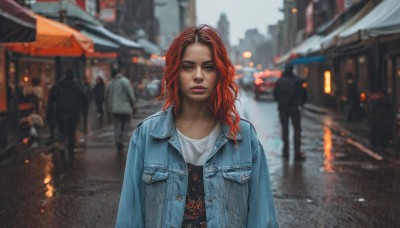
(107,97)
(261,211)
(131,94)
(276,90)
(130,204)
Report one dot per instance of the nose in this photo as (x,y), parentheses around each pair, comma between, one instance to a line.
(198,74)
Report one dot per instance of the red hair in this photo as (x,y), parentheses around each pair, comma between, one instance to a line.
(222,100)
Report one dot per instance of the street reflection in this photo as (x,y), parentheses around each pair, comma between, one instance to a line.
(328,157)
(48,169)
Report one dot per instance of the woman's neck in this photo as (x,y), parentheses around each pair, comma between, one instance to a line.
(195,112)
(195,120)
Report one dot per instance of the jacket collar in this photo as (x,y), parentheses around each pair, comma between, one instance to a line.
(165,126)
(118,76)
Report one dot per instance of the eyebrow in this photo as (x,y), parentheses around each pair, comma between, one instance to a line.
(191,62)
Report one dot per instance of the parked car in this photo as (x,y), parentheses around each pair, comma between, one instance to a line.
(265,83)
(247,80)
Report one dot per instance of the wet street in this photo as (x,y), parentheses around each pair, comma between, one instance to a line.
(337,186)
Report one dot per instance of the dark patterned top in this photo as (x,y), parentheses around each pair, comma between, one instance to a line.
(195,210)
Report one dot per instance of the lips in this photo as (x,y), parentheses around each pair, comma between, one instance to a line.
(198,89)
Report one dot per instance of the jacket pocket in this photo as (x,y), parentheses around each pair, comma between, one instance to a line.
(239,175)
(236,194)
(151,175)
(155,192)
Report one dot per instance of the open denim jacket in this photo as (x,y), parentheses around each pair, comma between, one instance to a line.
(237,187)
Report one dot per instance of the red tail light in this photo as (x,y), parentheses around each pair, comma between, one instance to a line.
(25,140)
(363,97)
(258,81)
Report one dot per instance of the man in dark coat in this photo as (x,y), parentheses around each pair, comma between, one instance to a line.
(66,100)
(98,93)
(290,95)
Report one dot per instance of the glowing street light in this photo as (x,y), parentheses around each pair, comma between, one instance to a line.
(247,54)
(327,82)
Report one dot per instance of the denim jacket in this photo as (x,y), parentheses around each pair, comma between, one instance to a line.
(237,187)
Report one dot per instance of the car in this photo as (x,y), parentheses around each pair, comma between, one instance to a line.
(247,80)
(265,83)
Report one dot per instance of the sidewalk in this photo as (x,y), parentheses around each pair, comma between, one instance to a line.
(356,132)
(14,143)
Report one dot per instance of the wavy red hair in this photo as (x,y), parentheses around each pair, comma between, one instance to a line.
(222,100)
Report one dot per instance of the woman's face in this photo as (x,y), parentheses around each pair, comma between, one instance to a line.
(197,76)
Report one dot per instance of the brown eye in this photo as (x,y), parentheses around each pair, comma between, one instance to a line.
(209,67)
(186,67)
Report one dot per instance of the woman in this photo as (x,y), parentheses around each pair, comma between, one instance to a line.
(196,163)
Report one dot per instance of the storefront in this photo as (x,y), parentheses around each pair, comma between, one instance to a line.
(41,69)
(393,91)
(101,66)
(33,68)
(3,99)
(17,25)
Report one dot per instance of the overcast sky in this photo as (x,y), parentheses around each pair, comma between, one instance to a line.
(242,14)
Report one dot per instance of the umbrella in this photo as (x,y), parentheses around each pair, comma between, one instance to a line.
(54,39)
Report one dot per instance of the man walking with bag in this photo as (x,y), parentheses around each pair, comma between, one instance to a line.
(120,102)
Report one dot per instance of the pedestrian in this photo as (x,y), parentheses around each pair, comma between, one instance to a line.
(51,115)
(197,163)
(120,103)
(35,95)
(98,93)
(290,95)
(84,104)
(353,99)
(66,100)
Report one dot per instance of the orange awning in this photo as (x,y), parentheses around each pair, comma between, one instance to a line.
(54,39)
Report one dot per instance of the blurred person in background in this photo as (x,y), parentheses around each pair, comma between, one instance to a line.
(34,94)
(66,99)
(51,115)
(120,103)
(352,105)
(290,95)
(197,163)
(98,94)
(85,103)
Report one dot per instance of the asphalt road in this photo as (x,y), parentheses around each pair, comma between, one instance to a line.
(337,186)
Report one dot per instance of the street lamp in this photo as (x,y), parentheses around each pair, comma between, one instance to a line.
(327,82)
(247,54)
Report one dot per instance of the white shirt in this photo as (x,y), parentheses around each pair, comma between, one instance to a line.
(196,151)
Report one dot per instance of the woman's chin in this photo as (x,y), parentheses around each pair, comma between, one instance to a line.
(198,98)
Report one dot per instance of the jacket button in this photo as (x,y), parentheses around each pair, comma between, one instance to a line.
(179,198)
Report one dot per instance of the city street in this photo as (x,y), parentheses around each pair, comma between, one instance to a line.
(336,186)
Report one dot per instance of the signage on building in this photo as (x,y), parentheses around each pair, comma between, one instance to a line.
(107,10)
(340,6)
(3,86)
(310,18)
(91,6)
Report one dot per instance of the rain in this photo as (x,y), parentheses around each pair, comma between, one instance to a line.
(318,80)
